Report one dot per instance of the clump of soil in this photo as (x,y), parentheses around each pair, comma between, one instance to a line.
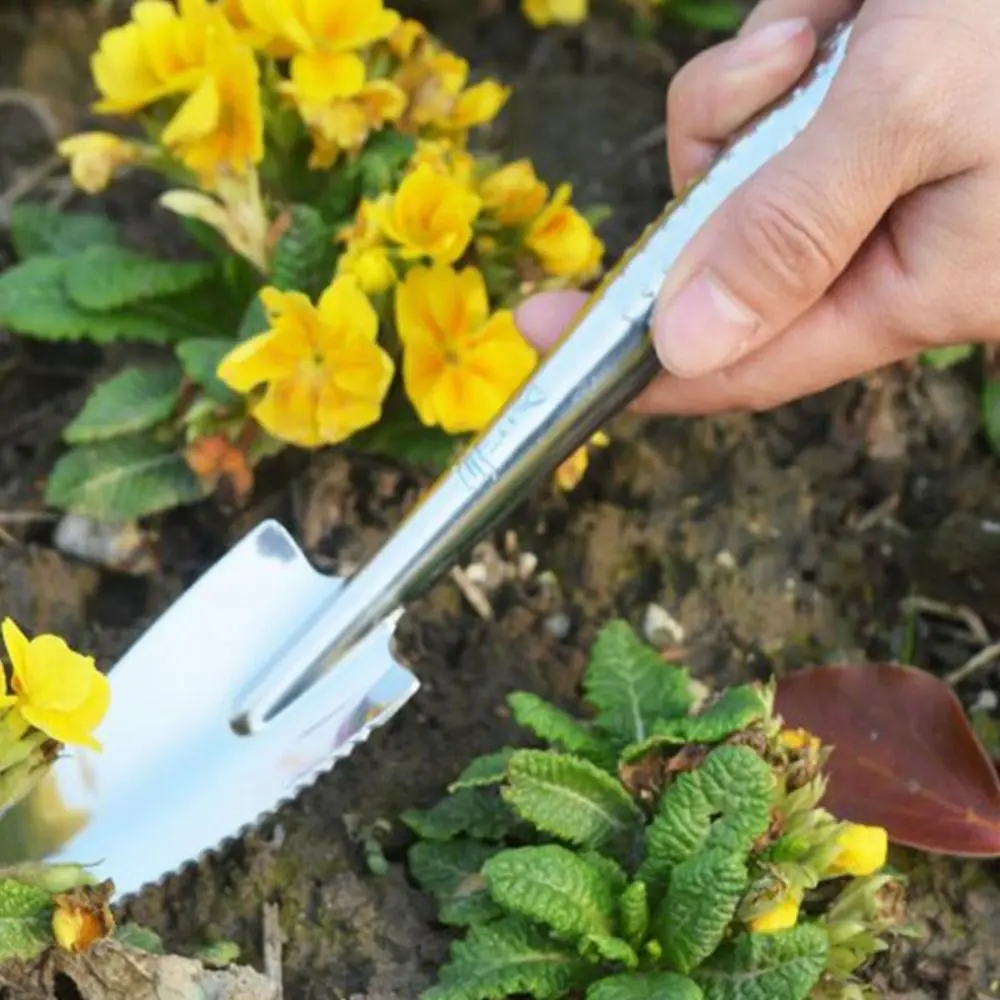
(769,542)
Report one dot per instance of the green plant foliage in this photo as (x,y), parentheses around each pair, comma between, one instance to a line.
(25,920)
(136,399)
(200,358)
(40,230)
(644,876)
(304,256)
(122,479)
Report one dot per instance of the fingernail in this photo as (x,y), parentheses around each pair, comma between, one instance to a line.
(702,328)
(765,44)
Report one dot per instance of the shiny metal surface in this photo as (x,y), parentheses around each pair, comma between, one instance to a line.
(602,362)
(174,781)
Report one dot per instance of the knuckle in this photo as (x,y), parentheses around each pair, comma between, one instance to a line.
(791,241)
(744,393)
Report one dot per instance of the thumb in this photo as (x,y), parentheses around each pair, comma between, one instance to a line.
(780,241)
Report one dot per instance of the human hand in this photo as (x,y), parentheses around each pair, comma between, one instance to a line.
(873,236)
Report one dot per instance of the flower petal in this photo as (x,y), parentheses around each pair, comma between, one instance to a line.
(16,643)
(55,677)
(63,727)
(257,360)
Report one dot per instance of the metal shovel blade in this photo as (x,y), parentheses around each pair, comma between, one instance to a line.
(173,779)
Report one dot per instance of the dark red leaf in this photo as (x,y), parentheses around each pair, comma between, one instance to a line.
(904,758)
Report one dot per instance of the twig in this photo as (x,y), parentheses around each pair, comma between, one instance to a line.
(272,947)
(15,517)
(984,658)
(35,105)
(958,613)
(479,601)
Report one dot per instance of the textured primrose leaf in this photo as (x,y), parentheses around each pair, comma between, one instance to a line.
(509,958)
(785,965)
(633,913)
(560,729)
(610,870)
(490,769)
(737,708)
(34,303)
(25,920)
(701,900)
(609,951)
(646,986)
(732,784)
(134,400)
(631,686)
(400,436)
(141,938)
(122,479)
(473,812)
(37,230)
(568,798)
(452,872)
(382,161)
(106,277)
(551,885)
(304,256)
(200,358)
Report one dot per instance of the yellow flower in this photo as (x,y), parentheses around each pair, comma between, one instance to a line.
(444,157)
(366,257)
(325,373)
(863,851)
(562,239)
(94,157)
(58,691)
(572,470)
(220,125)
(799,739)
(430,215)
(460,364)
(514,194)
(405,38)
(542,13)
(780,917)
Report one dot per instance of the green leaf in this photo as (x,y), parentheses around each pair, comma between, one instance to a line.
(560,729)
(382,161)
(505,959)
(452,872)
(569,798)
(141,938)
(608,951)
(612,872)
(946,357)
(255,320)
(632,688)
(52,878)
(471,811)
(735,710)
(34,303)
(305,255)
(121,480)
(991,413)
(37,230)
(725,803)
(551,885)
(709,15)
(399,435)
(646,986)
(785,965)
(634,915)
(218,954)
(25,920)
(104,278)
(698,907)
(134,400)
(483,771)
(200,358)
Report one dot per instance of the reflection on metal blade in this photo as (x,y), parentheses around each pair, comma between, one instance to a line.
(174,780)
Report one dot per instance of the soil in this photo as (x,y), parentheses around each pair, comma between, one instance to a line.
(775,540)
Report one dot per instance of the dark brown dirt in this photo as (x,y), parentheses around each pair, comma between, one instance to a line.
(776,541)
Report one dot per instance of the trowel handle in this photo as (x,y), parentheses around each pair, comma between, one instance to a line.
(601,363)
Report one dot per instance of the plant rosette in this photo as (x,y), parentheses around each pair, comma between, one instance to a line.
(360,262)
(672,845)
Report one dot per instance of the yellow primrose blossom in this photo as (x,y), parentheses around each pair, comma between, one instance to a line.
(780,917)
(365,256)
(513,193)
(159,52)
(220,125)
(444,157)
(325,373)
(569,474)
(563,240)
(58,691)
(863,851)
(542,13)
(430,215)
(95,157)
(460,364)
(405,38)
(799,739)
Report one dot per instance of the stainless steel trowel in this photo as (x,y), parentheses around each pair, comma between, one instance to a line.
(266,672)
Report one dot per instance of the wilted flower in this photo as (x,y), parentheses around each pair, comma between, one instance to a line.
(94,158)
(325,373)
(460,364)
(58,691)
(430,215)
(513,193)
(563,240)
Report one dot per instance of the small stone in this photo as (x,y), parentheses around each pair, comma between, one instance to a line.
(122,548)
(725,560)
(660,628)
(527,563)
(986,701)
(557,625)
